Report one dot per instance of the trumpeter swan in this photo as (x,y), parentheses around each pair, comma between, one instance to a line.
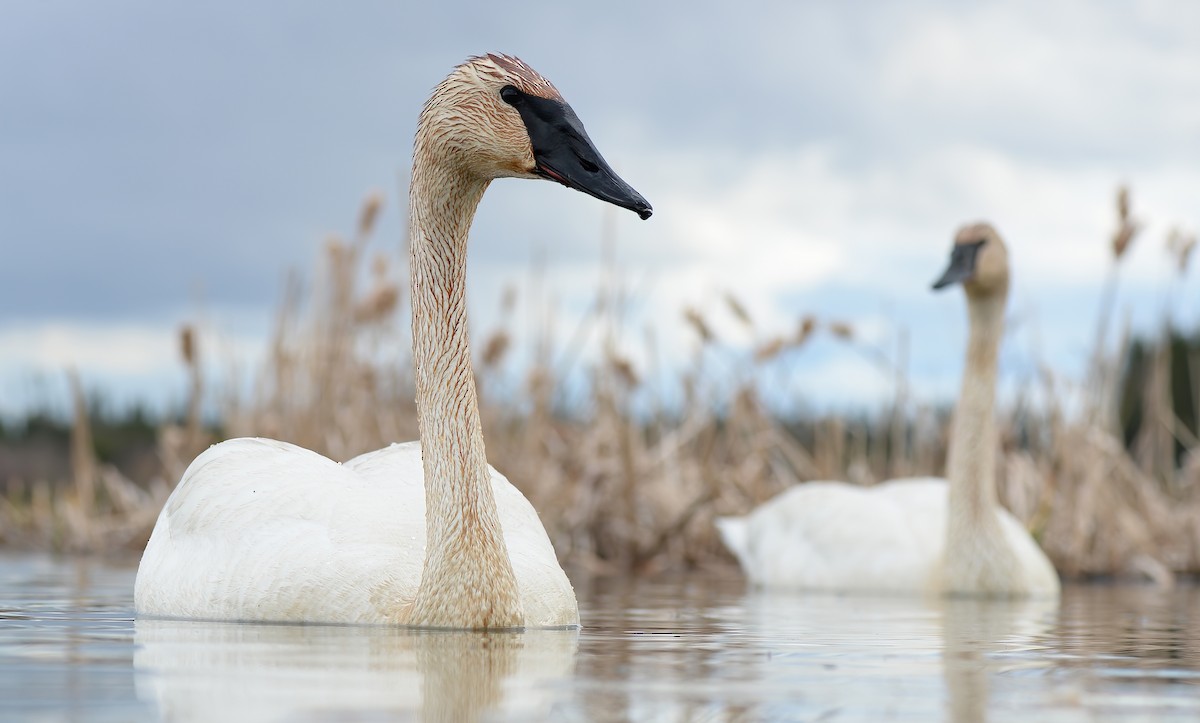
(913,535)
(423,534)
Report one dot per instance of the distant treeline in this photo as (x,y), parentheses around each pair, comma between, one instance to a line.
(1168,365)
(37,446)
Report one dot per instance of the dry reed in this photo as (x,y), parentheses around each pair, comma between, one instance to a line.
(621,489)
(97,509)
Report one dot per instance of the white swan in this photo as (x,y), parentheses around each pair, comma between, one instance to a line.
(415,534)
(913,535)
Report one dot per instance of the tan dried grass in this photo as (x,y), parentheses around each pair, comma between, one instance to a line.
(622,490)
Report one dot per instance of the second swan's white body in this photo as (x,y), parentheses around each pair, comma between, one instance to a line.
(889,538)
(265,530)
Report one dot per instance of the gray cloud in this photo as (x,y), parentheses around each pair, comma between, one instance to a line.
(153,155)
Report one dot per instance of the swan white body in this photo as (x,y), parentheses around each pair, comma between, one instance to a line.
(889,538)
(940,536)
(427,536)
(265,530)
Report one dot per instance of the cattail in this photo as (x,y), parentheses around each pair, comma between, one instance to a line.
(495,348)
(1127,226)
(372,205)
(377,305)
(703,330)
(768,351)
(623,369)
(1181,245)
(738,310)
(335,248)
(187,344)
(842,330)
(1121,240)
(807,326)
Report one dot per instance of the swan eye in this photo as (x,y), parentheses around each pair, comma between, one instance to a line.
(510,95)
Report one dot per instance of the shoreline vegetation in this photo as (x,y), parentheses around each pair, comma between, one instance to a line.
(1104,471)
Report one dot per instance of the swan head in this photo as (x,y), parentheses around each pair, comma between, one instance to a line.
(496,117)
(978,261)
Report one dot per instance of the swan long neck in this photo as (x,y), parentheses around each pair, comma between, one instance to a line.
(971,463)
(468,580)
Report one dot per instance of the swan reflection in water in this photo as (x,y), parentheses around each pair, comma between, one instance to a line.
(989,640)
(208,671)
(878,654)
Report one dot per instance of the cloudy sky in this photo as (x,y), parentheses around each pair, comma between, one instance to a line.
(166,162)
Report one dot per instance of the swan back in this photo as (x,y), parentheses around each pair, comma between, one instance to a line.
(265,530)
(888,538)
(838,537)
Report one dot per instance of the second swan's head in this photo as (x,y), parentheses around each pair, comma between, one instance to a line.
(978,261)
(496,117)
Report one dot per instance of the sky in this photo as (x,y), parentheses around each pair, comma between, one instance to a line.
(167,163)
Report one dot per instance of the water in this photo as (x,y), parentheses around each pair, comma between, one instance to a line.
(696,648)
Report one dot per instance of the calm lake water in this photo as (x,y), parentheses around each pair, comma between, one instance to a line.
(696,648)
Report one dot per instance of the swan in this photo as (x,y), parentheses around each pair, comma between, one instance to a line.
(921,535)
(423,534)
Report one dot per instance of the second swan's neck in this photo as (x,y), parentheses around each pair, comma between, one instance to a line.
(468,581)
(971,460)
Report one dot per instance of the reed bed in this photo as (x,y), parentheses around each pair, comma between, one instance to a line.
(625,485)
(98,509)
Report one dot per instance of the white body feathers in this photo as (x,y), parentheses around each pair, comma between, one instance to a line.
(889,538)
(265,530)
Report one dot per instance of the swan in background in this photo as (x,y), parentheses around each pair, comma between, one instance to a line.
(423,534)
(926,535)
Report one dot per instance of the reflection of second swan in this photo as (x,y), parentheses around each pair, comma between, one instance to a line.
(867,657)
(918,535)
(978,637)
(229,671)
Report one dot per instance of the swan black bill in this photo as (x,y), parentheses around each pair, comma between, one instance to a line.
(962,265)
(563,152)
